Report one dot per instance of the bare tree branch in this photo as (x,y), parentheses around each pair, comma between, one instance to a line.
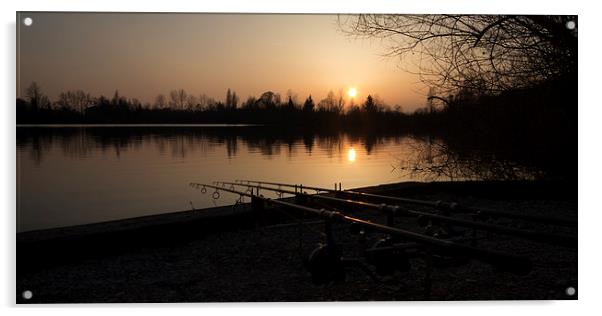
(485,53)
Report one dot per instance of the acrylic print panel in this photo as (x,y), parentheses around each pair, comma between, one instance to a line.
(286,157)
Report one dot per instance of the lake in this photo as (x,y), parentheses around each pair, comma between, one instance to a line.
(70,175)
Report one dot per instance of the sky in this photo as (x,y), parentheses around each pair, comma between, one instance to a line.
(143,55)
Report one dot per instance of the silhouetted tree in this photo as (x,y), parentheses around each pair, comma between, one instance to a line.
(292,96)
(309,105)
(234,100)
(77,100)
(160,101)
(228,99)
(103,101)
(492,53)
(250,103)
(268,100)
(328,104)
(219,106)
(191,102)
(36,98)
(205,101)
(135,104)
(115,99)
(178,99)
(370,105)
(340,104)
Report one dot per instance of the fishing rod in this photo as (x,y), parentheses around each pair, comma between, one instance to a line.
(506,261)
(449,206)
(550,238)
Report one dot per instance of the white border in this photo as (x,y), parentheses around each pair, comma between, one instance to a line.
(589,162)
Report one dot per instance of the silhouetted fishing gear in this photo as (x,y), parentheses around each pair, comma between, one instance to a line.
(394,210)
(447,206)
(505,261)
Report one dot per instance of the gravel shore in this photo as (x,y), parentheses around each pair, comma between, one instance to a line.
(186,257)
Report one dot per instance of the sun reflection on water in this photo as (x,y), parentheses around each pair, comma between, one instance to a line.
(351,155)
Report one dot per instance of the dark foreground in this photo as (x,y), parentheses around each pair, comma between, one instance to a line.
(237,255)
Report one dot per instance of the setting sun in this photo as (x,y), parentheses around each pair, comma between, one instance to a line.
(352,92)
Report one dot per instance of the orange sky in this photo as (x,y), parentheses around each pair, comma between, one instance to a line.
(143,55)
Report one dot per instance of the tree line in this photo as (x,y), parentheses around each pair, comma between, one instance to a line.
(534,126)
(179,106)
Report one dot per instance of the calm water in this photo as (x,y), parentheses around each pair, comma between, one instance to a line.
(85,174)
(77,175)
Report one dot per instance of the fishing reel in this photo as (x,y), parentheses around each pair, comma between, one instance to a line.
(435,229)
(258,203)
(387,258)
(325,265)
(430,227)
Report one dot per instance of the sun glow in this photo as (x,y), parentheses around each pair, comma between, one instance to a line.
(352,92)
(351,155)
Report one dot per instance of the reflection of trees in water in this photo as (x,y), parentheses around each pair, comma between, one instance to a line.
(308,141)
(330,145)
(231,147)
(433,159)
(81,142)
(72,144)
(184,145)
(371,142)
(267,146)
(38,148)
(424,158)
